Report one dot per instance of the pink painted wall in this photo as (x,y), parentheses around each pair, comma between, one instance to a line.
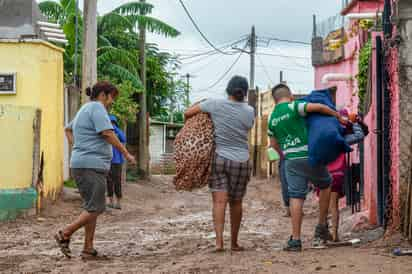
(362,6)
(395,130)
(347,97)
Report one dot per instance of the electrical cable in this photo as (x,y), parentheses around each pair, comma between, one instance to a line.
(265,70)
(224,74)
(286,41)
(200,31)
(284,56)
(213,52)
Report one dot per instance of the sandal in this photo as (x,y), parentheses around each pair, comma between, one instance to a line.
(64,244)
(93,255)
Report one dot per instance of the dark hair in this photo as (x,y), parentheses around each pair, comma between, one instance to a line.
(238,87)
(281,91)
(99,87)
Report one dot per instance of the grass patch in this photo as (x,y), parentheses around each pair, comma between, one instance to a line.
(70,183)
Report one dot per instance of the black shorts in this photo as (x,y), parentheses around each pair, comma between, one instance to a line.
(92,187)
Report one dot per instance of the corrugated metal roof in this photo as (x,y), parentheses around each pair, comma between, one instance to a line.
(18,19)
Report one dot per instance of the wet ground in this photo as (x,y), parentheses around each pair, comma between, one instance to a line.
(162,231)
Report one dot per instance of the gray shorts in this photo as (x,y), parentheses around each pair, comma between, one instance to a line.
(92,187)
(299,173)
(229,176)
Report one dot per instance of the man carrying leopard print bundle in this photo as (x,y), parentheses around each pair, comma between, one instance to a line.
(232,119)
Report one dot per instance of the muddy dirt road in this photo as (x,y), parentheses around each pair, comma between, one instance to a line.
(161,231)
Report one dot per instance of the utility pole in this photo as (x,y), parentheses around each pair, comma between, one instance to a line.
(89,70)
(252,58)
(76,47)
(281,77)
(142,119)
(188,76)
(253,96)
(172,103)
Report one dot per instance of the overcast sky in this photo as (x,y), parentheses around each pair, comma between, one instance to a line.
(223,21)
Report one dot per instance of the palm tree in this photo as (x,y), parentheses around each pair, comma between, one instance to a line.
(117,37)
(64,14)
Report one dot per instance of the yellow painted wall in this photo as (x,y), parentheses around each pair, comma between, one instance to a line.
(39,67)
(16,123)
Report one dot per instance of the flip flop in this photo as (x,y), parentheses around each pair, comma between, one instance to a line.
(64,244)
(93,255)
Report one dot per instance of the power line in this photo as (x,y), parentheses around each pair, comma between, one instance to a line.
(224,74)
(265,70)
(206,65)
(213,52)
(201,58)
(285,68)
(284,56)
(200,32)
(286,41)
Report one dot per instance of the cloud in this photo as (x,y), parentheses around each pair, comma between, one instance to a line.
(226,20)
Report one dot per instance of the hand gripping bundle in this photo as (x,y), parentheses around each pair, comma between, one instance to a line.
(194,150)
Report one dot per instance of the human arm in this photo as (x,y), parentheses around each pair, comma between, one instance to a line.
(69,133)
(325,110)
(110,137)
(275,145)
(192,111)
(357,136)
(120,135)
(104,127)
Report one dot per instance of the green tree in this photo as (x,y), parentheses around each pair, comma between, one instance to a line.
(117,55)
(64,14)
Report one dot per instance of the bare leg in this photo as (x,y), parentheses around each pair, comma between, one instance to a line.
(220,200)
(334,208)
(296,206)
(89,230)
(111,200)
(118,202)
(84,218)
(324,199)
(236,213)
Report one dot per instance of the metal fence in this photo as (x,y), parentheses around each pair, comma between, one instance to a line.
(331,24)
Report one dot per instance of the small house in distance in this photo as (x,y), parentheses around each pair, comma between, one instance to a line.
(162,137)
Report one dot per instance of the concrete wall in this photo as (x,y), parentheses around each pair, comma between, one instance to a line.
(16,124)
(156,143)
(403,130)
(16,160)
(39,68)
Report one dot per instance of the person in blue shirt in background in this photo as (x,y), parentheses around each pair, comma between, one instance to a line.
(114,180)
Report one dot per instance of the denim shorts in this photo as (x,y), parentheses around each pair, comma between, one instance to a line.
(299,173)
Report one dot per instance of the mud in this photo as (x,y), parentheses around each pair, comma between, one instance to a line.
(162,231)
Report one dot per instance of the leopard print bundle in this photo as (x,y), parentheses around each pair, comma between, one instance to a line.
(194,150)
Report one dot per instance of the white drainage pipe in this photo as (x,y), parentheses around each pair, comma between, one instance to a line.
(336,77)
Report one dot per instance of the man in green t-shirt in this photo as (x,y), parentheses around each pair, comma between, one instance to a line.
(289,136)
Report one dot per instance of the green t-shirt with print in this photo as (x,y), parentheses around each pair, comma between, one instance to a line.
(288,126)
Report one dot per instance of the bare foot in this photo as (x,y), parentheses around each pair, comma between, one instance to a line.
(238,249)
(219,250)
